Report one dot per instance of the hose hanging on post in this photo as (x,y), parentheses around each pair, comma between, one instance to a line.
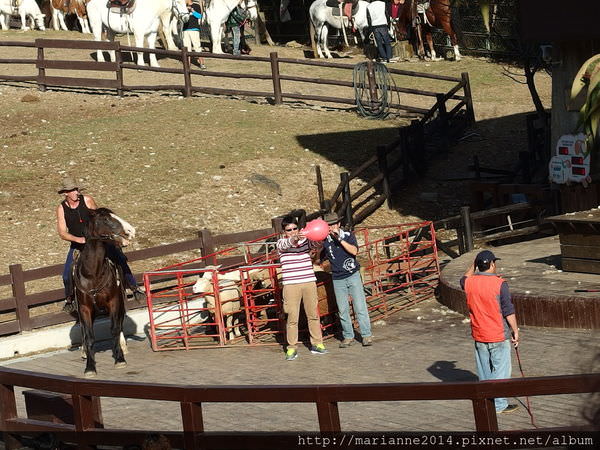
(373,98)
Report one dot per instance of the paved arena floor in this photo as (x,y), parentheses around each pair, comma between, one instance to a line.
(425,344)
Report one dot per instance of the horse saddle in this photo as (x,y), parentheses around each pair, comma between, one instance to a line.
(121,6)
(349,9)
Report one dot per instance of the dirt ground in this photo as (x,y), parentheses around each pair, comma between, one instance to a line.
(172,166)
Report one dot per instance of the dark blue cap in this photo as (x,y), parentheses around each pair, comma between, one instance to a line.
(485,257)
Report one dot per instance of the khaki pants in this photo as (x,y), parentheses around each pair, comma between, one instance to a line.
(191,40)
(306,293)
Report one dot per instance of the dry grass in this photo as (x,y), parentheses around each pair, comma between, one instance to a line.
(172,166)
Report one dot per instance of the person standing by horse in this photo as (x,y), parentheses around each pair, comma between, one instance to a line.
(379,22)
(235,23)
(191,29)
(72,216)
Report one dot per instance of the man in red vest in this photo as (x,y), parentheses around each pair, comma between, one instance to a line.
(493,322)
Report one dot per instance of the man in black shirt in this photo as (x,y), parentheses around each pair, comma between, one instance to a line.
(72,216)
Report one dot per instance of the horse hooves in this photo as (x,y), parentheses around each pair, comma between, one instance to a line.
(90,374)
(120,365)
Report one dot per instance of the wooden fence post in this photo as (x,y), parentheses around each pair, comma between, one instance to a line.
(465,214)
(484,411)
(329,416)
(191,417)
(277,97)
(468,97)
(320,186)
(276,224)
(187,78)
(18,288)
(476,167)
(383,169)
(443,117)
(347,199)
(405,150)
(372,83)
(119,71)
(41,69)
(8,410)
(208,243)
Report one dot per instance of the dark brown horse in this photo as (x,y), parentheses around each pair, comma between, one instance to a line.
(438,15)
(100,285)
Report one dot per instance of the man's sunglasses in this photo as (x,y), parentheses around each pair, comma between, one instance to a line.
(291,229)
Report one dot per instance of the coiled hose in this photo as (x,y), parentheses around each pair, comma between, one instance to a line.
(373,108)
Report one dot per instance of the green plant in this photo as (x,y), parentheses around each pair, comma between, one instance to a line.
(587,83)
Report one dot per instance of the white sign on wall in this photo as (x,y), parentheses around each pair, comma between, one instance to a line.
(570,162)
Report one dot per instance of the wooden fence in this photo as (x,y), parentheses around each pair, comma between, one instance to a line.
(21,302)
(86,394)
(186,71)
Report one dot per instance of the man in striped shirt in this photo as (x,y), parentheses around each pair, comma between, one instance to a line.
(299,285)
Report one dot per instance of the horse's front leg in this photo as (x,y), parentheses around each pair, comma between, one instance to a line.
(23,22)
(165,23)
(117,315)
(110,35)
(152,44)
(429,38)
(215,36)
(139,42)
(86,320)
(324,35)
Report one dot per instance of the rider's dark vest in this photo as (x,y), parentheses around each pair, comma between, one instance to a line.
(76,219)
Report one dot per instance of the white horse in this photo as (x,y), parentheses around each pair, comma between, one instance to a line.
(217,13)
(23,8)
(321,15)
(143,22)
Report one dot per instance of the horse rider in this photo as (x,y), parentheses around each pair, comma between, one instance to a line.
(72,216)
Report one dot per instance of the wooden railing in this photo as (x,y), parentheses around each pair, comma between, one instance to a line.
(515,220)
(186,86)
(326,398)
(21,301)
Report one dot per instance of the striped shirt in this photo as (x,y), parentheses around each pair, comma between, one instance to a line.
(296,264)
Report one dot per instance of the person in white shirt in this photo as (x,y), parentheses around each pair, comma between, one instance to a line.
(379,20)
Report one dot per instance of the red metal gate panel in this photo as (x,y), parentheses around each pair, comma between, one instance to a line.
(216,306)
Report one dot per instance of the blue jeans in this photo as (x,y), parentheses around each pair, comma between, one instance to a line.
(114,253)
(352,286)
(494,363)
(383,39)
(237,33)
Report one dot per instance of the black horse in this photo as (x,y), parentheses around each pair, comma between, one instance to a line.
(99,284)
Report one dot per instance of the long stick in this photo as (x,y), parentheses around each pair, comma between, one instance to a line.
(526,398)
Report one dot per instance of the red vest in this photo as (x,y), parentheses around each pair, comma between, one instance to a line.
(483,301)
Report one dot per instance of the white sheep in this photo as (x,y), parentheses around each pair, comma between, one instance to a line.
(229,296)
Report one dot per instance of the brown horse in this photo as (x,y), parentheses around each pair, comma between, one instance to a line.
(438,15)
(99,283)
